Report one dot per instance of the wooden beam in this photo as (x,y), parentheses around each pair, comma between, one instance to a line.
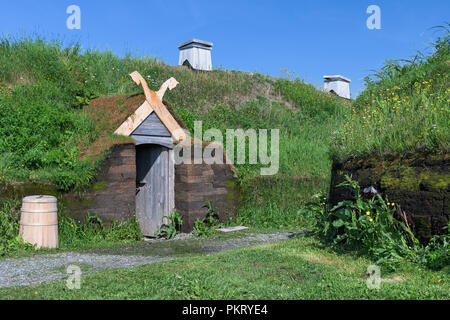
(154,100)
(135,120)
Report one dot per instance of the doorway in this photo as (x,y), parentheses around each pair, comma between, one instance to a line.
(154,186)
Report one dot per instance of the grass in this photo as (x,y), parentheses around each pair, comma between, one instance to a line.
(404,107)
(296,269)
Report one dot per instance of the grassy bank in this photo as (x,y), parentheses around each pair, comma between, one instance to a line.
(404,107)
(43,85)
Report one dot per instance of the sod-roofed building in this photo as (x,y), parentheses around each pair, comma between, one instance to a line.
(140,175)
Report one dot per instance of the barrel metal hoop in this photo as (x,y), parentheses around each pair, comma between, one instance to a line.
(38,211)
(38,225)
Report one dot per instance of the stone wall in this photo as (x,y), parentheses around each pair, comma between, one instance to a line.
(418,182)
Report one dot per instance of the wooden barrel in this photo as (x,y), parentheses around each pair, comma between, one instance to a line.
(39,221)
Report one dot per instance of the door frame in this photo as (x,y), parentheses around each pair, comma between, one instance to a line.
(170,193)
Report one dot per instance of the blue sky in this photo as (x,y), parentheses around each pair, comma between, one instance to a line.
(310,38)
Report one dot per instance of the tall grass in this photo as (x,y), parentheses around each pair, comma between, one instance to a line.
(405,107)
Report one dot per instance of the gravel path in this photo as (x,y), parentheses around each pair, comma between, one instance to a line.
(51,267)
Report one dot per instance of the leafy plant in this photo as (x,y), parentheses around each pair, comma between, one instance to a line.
(436,255)
(205,227)
(85,100)
(368,226)
(9,229)
(371,227)
(173,227)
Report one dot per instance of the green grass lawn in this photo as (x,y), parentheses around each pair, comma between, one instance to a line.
(296,269)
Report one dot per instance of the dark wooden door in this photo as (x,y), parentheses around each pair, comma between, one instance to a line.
(153,187)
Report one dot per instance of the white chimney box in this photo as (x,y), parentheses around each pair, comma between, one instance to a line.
(196,54)
(337,84)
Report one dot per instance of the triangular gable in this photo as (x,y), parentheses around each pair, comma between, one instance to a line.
(152,104)
(152,126)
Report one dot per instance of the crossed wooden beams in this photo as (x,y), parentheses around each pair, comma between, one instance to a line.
(153,103)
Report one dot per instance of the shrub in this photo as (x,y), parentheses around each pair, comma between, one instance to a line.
(74,233)
(369,227)
(436,255)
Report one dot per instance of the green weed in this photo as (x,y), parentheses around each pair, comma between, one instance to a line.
(173,227)
(205,227)
(370,227)
(10,242)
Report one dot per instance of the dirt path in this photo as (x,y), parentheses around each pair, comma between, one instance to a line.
(52,267)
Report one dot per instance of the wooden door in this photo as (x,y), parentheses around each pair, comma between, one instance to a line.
(154,192)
